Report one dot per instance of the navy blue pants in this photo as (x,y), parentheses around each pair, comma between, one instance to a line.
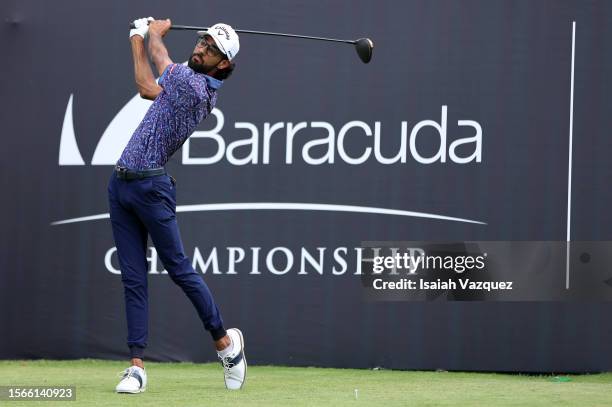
(143,207)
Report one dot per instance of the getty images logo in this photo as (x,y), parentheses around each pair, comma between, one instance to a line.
(253,142)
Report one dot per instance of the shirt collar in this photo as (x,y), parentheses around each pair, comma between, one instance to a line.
(213,82)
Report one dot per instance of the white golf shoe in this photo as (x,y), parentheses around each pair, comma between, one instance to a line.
(133,380)
(235,364)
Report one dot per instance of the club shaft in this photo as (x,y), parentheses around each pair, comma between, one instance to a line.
(194,28)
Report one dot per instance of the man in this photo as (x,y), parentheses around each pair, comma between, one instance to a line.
(142,197)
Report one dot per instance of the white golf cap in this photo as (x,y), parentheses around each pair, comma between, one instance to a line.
(225,37)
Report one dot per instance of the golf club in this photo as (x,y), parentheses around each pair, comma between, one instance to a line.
(363,46)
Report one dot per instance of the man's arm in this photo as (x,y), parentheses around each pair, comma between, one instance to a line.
(157,50)
(145,81)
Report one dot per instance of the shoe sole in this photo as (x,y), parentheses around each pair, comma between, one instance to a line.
(243,358)
(131,392)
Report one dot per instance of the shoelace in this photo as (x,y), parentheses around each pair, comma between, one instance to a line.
(227,365)
(126,373)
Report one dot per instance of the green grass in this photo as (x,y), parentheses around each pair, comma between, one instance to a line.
(187,384)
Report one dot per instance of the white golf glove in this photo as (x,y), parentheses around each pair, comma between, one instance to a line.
(141,27)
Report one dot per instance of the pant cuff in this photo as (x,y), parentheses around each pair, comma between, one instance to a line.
(218,333)
(136,351)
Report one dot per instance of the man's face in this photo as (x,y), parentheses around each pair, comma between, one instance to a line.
(206,57)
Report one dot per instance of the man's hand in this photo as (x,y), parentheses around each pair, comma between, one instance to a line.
(141,27)
(160,27)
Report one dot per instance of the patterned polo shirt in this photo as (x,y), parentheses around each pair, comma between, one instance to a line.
(186,99)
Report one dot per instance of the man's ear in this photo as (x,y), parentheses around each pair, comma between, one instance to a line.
(223,64)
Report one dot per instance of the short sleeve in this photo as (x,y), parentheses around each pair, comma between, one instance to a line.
(163,75)
(176,81)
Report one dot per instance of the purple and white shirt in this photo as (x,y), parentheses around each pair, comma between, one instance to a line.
(186,99)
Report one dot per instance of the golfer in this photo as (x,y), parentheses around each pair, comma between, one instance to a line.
(142,197)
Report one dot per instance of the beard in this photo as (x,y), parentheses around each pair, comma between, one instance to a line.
(199,68)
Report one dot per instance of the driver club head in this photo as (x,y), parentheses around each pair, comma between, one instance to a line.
(364,47)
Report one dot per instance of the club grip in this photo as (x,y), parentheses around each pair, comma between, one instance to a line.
(182,27)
